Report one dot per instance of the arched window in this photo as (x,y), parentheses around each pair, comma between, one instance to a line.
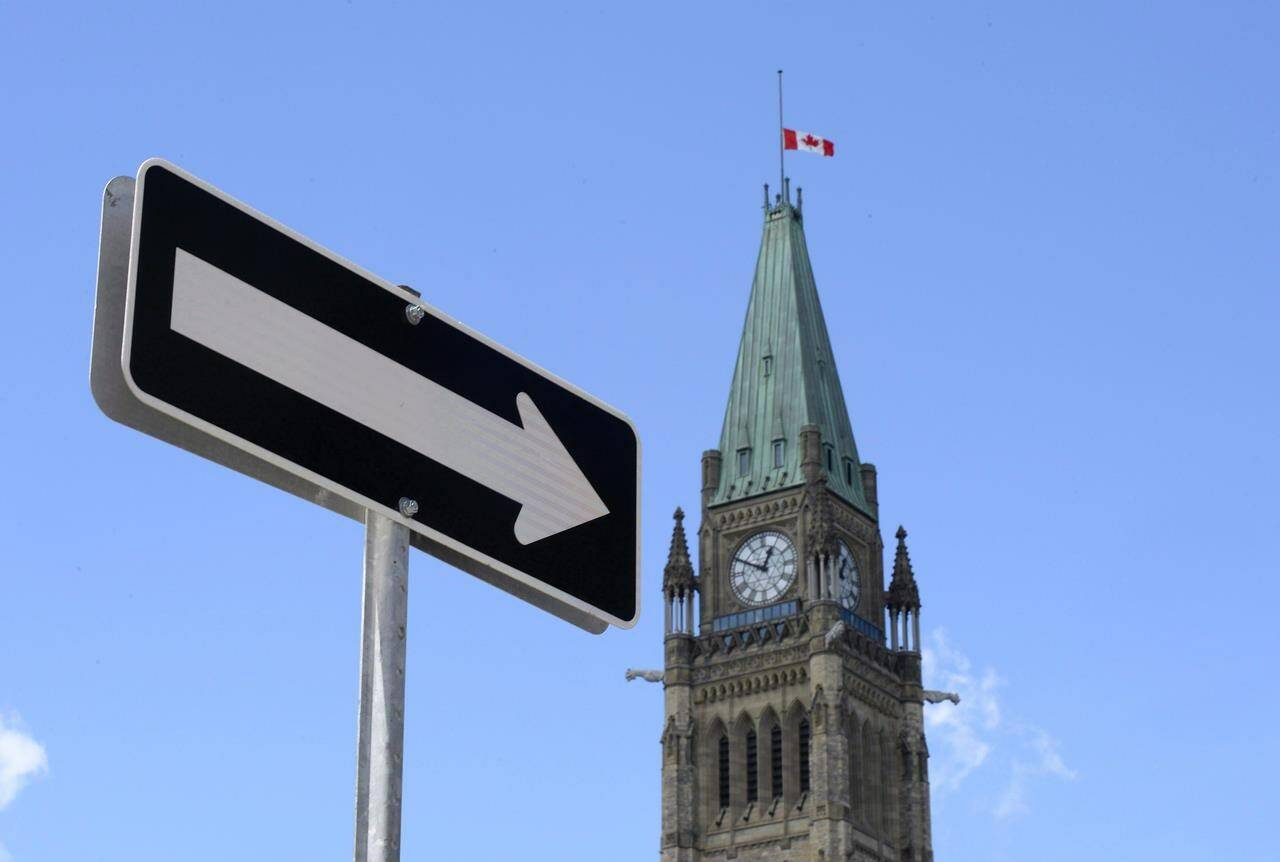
(886,789)
(855,771)
(724,772)
(753,764)
(795,755)
(870,794)
(804,755)
(775,760)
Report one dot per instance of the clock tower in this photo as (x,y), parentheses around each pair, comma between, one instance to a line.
(793,728)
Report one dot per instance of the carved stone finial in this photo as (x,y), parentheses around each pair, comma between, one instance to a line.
(678,574)
(903,593)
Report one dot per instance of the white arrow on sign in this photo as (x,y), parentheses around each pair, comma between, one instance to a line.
(527,464)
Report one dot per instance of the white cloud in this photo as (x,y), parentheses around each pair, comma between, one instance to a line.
(21,760)
(1050,761)
(976,735)
(961,735)
(1040,758)
(1013,800)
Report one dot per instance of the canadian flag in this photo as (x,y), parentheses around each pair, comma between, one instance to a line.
(794,140)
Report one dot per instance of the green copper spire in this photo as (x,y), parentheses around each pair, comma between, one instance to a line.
(785,378)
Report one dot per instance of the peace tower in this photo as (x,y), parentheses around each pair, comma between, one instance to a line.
(793,728)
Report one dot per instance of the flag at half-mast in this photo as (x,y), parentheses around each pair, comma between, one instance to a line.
(810,143)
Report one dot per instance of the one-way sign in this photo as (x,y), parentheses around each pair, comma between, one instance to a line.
(331,382)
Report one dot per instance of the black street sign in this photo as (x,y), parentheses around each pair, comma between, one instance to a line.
(343,388)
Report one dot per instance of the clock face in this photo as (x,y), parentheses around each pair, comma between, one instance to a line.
(763,568)
(848,582)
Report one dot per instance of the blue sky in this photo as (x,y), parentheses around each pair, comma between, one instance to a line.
(1047,255)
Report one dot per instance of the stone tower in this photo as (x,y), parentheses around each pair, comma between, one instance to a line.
(793,728)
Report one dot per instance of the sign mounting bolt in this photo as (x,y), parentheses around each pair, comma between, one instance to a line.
(408,507)
(414,313)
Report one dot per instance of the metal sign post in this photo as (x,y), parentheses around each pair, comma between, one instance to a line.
(229,335)
(380,737)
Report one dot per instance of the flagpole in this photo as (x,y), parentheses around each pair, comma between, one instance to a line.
(782,170)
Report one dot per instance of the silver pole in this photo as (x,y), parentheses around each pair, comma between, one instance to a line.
(782,148)
(380,745)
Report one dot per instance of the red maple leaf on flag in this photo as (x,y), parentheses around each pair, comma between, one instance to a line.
(811,141)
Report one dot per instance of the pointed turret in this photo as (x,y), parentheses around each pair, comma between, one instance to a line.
(903,592)
(785,379)
(679,569)
(678,581)
(903,598)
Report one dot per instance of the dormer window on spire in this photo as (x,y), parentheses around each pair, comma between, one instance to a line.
(779,453)
(744,461)
(766,365)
